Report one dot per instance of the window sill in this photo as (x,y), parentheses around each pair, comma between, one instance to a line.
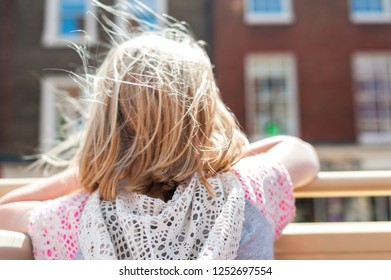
(371,19)
(281,19)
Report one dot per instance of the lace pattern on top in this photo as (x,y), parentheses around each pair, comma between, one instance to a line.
(192,225)
(267,184)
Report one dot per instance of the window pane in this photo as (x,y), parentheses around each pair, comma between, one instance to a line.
(150,3)
(268,11)
(373,89)
(271,95)
(375,5)
(147,18)
(146,15)
(72,13)
(271,105)
(266,6)
(367,6)
(274,5)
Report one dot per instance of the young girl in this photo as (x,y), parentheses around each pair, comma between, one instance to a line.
(164,169)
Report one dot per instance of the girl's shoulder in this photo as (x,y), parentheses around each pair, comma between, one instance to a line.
(261,171)
(268,186)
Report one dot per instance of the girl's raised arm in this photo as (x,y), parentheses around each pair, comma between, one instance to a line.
(298,157)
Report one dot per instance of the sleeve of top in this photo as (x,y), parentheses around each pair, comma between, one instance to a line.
(268,186)
(53,227)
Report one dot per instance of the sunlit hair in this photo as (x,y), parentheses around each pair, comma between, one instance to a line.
(154,115)
(157,117)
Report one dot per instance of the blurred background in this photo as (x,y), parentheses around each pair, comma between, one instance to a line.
(316,69)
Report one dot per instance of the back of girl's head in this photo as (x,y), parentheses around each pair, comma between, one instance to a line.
(156,116)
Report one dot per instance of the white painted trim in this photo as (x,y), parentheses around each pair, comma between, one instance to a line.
(48,113)
(284,17)
(293,120)
(371,18)
(50,35)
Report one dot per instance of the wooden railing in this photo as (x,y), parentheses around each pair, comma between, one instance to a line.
(347,184)
(345,240)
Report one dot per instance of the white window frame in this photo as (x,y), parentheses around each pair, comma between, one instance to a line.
(252,72)
(162,8)
(368,138)
(286,16)
(48,108)
(371,18)
(51,37)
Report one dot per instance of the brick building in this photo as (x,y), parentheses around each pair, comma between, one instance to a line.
(317,69)
(35,37)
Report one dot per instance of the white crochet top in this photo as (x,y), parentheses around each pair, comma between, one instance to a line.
(139,227)
(192,225)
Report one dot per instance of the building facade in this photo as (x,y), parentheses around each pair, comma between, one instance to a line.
(312,68)
(320,70)
(35,54)
(316,69)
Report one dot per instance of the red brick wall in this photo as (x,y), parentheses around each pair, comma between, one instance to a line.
(322,38)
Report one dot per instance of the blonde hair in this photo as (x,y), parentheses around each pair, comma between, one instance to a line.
(157,117)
